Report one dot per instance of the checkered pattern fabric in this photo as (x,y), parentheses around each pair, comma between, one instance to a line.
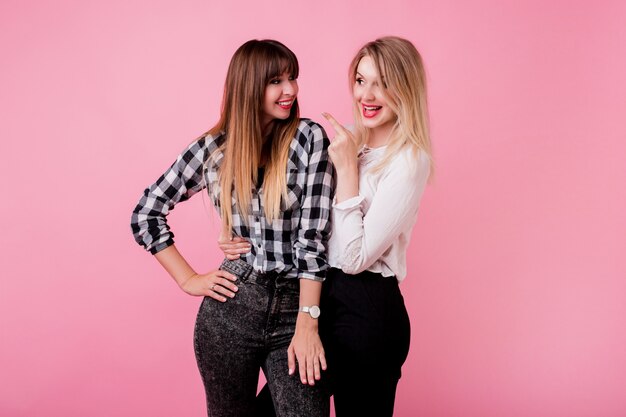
(294,243)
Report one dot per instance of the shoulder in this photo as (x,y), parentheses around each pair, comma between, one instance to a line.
(206,145)
(309,127)
(311,135)
(409,164)
(209,141)
(310,143)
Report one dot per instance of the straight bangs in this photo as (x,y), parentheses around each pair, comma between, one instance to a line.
(278,60)
(277,68)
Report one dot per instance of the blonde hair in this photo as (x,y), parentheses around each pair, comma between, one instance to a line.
(404,86)
(251,69)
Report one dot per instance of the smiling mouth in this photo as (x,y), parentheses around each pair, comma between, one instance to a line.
(371,111)
(285,104)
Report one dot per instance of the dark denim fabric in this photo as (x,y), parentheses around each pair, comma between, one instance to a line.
(252,331)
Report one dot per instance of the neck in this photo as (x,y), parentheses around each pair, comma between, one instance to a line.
(266,127)
(379,136)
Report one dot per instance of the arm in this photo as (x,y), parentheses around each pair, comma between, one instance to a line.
(364,238)
(216,284)
(182,180)
(149,224)
(310,257)
(314,230)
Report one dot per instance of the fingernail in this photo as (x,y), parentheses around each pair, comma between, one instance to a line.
(236,289)
(291,372)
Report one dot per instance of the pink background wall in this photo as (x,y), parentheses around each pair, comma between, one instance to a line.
(517,290)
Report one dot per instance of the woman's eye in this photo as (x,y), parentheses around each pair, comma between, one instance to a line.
(275,81)
(359,81)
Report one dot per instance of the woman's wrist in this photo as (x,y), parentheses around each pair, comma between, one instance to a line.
(348,168)
(306,323)
(183,282)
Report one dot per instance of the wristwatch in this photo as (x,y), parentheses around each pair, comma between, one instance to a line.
(314,311)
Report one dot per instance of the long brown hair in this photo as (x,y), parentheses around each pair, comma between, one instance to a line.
(251,68)
(405,89)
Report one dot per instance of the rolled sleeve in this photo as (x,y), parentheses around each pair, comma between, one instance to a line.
(310,246)
(182,180)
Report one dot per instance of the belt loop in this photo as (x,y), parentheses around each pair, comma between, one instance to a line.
(247,271)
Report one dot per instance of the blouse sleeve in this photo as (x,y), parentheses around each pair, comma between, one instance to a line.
(363,239)
(182,180)
(311,243)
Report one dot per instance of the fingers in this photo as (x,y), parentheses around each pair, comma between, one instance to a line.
(302,365)
(225,287)
(224,239)
(225,274)
(334,123)
(232,248)
(310,369)
(211,292)
(323,361)
(316,370)
(219,285)
(222,285)
(235,248)
(223,291)
(310,366)
(291,360)
(228,239)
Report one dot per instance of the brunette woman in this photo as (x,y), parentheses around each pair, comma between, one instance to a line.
(267,172)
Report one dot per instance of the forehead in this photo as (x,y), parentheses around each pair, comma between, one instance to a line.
(367,68)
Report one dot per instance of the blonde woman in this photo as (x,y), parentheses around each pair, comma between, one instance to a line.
(382,168)
(268,174)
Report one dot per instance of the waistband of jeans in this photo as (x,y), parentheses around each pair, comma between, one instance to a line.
(246,272)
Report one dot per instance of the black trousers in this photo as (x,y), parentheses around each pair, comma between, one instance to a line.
(366,333)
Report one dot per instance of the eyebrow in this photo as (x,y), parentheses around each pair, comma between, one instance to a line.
(382,77)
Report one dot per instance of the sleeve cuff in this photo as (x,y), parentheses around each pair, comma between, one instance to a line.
(311,277)
(348,204)
(159,247)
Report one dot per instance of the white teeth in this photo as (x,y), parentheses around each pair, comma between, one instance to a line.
(370,108)
(284,103)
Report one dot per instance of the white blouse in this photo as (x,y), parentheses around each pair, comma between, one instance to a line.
(372,230)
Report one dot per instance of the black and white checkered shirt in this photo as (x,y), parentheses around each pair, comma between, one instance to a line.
(294,243)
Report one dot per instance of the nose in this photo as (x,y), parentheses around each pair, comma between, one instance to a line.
(290,88)
(368,93)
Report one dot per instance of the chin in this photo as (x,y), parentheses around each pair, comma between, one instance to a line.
(371,124)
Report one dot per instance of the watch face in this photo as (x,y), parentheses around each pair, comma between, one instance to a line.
(314,312)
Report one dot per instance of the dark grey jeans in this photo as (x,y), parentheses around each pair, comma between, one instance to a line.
(252,331)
